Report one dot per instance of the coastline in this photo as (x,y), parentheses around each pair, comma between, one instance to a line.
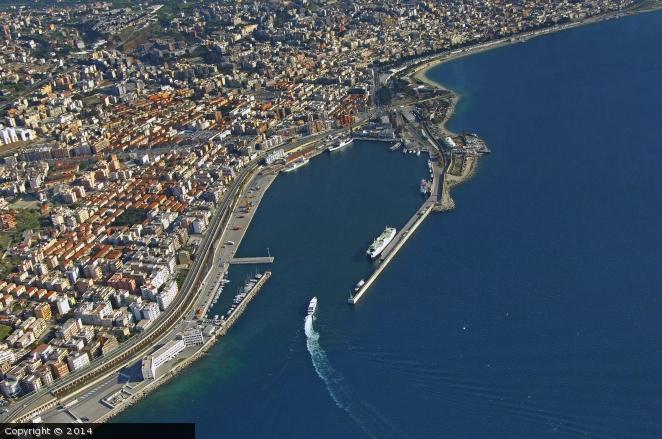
(175,374)
(179,368)
(418,71)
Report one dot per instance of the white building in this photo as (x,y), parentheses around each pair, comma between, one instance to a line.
(161,356)
(150,311)
(7,356)
(166,296)
(11,135)
(77,361)
(10,387)
(274,155)
(192,337)
(62,304)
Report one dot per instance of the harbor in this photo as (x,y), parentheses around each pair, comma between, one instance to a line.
(452,160)
(392,248)
(444,287)
(130,394)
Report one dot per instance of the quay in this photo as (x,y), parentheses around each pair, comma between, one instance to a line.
(238,311)
(392,249)
(254,260)
(377,139)
(439,199)
(136,395)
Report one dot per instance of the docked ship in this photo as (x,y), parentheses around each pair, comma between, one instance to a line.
(296,164)
(425,187)
(341,144)
(312,306)
(380,243)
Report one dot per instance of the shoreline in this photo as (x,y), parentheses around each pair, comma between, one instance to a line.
(418,72)
(179,368)
(419,69)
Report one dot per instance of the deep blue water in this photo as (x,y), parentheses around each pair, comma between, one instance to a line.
(532,310)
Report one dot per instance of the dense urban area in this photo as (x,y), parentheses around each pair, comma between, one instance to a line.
(123,126)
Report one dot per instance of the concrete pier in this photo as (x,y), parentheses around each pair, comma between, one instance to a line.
(238,311)
(255,260)
(392,249)
(377,139)
(437,200)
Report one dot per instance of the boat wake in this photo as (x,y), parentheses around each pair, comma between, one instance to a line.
(366,416)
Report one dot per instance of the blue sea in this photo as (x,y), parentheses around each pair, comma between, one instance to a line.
(532,310)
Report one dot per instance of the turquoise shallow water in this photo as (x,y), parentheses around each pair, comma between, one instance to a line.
(532,310)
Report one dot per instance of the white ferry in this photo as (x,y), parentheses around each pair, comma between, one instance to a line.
(341,144)
(380,243)
(312,306)
(296,164)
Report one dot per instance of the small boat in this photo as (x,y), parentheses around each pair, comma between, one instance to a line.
(359,284)
(425,186)
(312,306)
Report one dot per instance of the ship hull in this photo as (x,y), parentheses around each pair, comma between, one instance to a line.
(381,242)
(312,306)
(342,144)
(295,165)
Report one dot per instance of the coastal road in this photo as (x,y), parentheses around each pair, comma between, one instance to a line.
(106,367)
(139,345)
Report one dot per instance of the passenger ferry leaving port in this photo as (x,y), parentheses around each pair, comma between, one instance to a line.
(312,306)
(341,144)
(296,164)
(380,243)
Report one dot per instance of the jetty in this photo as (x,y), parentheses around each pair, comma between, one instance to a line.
(438,199)
(239,310)
(392,249)
(254,260)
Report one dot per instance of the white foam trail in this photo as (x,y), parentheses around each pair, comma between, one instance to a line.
(339,392)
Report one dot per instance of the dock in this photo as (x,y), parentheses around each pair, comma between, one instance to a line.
(392,249)
(377,139)
(238,311)
(439,194)
(255,260)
